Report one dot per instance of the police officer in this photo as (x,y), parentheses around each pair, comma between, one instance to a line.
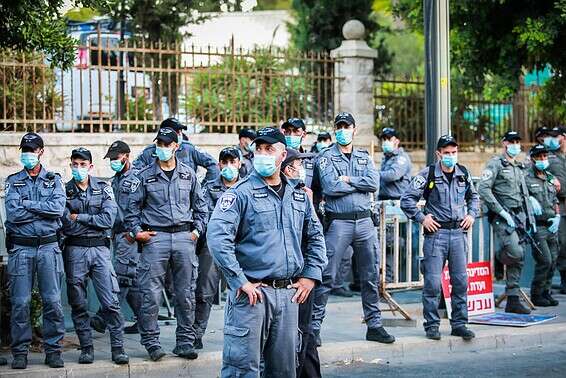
(547,216)
(348,177)
(255,236)
(246,147)
(35,201)
(503,190)
(452,205)
(89,216)
(294,130)
(167,214)
(208,275)
(323,140)
(187,153)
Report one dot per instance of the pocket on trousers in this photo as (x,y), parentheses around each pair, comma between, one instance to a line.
(236,346)
(115,286)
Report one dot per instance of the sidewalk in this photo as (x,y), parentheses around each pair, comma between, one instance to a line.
(343,337)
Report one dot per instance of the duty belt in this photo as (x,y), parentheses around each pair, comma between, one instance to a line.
(80,241)
(452,225)
(388,198)
(356,215)
(276,284)
(169,229)
(33,241)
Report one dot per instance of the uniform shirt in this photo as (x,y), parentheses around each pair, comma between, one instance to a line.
(187,153)
(544,191)
(34,207)
(394,174)
(212,191)
(448,200)
(95,207)
(340,196)
(557,167)
(502,184)
(247,165)
(155,200)
(121,185)
(253,234)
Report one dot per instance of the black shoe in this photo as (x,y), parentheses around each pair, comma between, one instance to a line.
(186,352)
(98,324)
(341,292)
(132,330)
(198,344)
(515,306)
(87,355)
(380,335)
(433,333)
(119,357)
(156,353)
(553,302)
(355,287)
(540,300)
(463,332)
(317,338)
(563,282)
(20,362)
(54,360)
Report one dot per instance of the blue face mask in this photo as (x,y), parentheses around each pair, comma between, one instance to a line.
(513,149)
(79,174)
(250,147)
(29,159)
(229,173)
(387,146)
(265,165)
(117,165)
(344,136)
(164,153)
(321,146)
(449,161)
(293,141)
(541,165)
(552,143)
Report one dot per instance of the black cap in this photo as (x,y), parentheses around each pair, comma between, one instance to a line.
(323,136)
(81,153)
(116,149)
(345,117)
(511,136)
(538,149)
(446,140)
(295,123)
(167,135)
(229,153)
(31,140)
(559,130)
(270,135)
(543,130)
(293,155)
(173,123)
(247,133)
(387,132)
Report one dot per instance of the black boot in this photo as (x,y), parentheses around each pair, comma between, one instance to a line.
(54,360)
(433,333)
(198,344)
(156,353)
(97,323)
(341,292)
(515,306)
(87,355)
(186,352)
(119,357)
(380,335)
(463,332)
(131,330)
(20,361)
(563,281)
(553,302)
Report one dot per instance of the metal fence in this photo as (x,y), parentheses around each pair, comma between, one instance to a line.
(132,85)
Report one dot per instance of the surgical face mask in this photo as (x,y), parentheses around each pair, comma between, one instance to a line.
(164,153)
(29,159)
(541,165)
(250,147)
(387,146)
(449,161)
(293,141)
(117,165)
(265,165)
(321,145)
(551,143)
(79,174)
(229,173)
(344,136)
(513,149)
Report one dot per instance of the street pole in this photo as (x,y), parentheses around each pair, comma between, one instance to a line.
(437,76)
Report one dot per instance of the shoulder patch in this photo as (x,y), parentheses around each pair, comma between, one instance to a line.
(108,190)
(419,182)
(227,201)
(486,174)
(322,162)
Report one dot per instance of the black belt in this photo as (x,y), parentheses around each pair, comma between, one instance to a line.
(276,284)
(80,241)
(452,225)
(542,223)
(349,216)
(517,210)
(33,241)
(169,229)
(388,198)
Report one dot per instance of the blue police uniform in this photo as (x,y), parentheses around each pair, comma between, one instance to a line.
(34,207)
(87,256)
(449,202)
(247,165)
(171,207)
(254,235)
(347,207)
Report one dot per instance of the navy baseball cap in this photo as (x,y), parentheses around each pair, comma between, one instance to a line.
(538,149)
(116,149)
(543,130)
(172,123)
(345,117)
(270,135)
(446,140)
(81,153)
(229,153)
(293,155)
(387,132)
(559,130)
(247,133)
(323,136)
(167,136)
(511,136)
(31,140)
(295,123)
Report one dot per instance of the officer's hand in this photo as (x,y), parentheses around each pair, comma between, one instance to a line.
(252,291)
(346,179)
(304,286)
(467,222)
(74,217)
(537,208)
(555,224)
(194,237)
(430,224)
(145,236)
(128,238)
(557,185)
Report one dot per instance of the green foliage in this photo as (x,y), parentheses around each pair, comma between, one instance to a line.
(81,14)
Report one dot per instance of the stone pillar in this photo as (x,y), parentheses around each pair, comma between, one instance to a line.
(354,91)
